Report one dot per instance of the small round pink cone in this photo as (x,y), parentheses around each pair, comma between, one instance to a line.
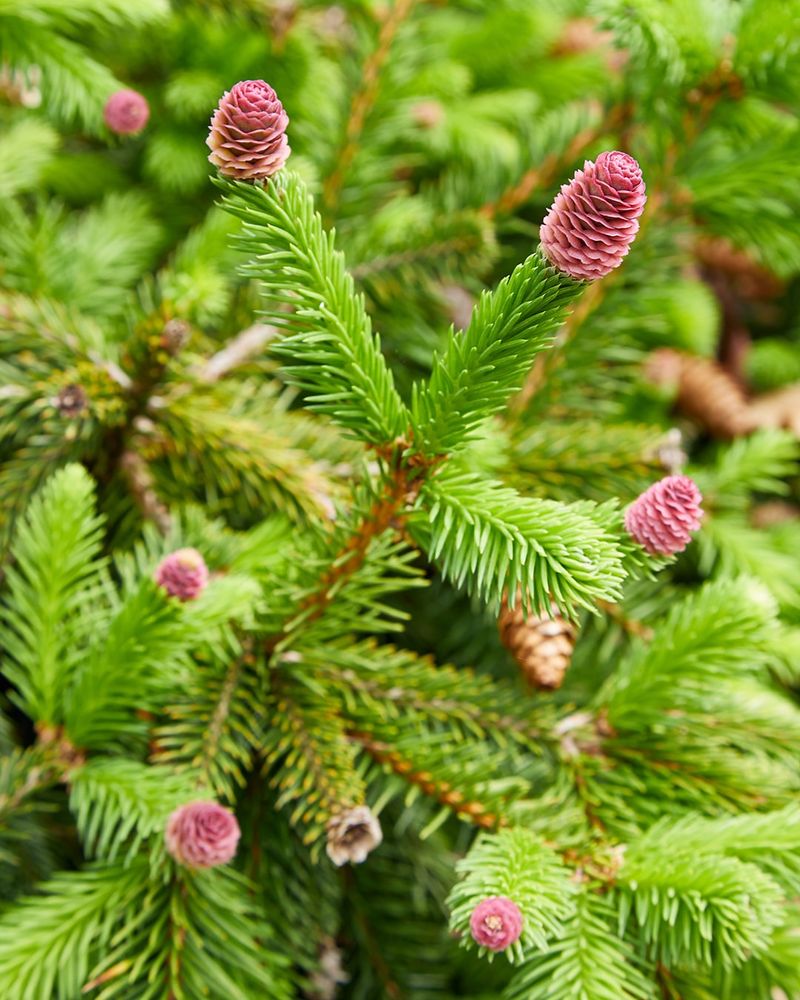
(496,923)
(183,574)
(247,137)
(664,517)
(202,835)
(126,112)
(595,218)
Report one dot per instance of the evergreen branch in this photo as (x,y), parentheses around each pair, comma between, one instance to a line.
(230,457)
(47,941)
(588,961)
(494,541)
(333,353)
(725,626)
(119,803)
(25,149)
(485,364)
(215,728)
(196,933)
(516,864)
(312,762)
(707,909)
(364,543)
(56,565)
(140,654)
(544,365)
(383,683)
(23,773)
(363,101)
(452,773)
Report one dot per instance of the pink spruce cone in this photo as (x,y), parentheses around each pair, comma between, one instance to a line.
(594,219)
(247,137)
(663,518)
(126,112)
(496,923)
(183,574)
(202,835)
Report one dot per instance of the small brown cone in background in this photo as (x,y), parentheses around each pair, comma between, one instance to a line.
(705,391)
(541,645)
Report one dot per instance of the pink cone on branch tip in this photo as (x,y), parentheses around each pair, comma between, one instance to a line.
(247,137)
(126,112)
(496,923)
(664,517)
(183,574)
(351,835)
(593,221)
(202,835)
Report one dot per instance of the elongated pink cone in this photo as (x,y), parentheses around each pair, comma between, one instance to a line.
(663,518)
(247,137)
(496,923)
(126,112)
(202,835)
(595,218)
(183,574)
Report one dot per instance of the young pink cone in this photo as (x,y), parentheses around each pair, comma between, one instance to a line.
(126,112)
(183,574)
(202,835)
(496,923)
(663,518)
(247,137)
(594,219)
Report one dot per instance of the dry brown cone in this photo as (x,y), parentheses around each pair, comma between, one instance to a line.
(712,397)
(541,645)
(752,281)
(705,391)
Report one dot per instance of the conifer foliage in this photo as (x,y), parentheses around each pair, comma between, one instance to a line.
(279,450)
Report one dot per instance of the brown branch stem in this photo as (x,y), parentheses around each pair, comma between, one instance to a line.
(362,103)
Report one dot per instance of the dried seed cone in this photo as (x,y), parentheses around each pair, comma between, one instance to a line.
(541,645)
(595,218)
(247,137)
(352,835)
(705,391)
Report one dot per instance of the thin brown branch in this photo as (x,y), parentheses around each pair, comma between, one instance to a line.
(630,625)
(401,487)
(363,101)
(237,351)
(548,170)
(140,482)
(442,791)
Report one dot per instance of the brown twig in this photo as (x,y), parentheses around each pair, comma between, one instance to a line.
(401,487)
(545,173)
(363,102)
(237,352)
(630,625)
(442,791)
(140,482)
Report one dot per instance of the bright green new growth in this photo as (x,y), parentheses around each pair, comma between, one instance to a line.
(514,863)
(365,503)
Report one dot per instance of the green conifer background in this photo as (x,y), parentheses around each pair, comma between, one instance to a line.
(367,399)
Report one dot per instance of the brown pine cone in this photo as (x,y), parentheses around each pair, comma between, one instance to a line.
(541,645)
(751,279)
(706,392)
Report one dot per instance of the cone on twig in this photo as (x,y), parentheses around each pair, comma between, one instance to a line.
(541,645)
